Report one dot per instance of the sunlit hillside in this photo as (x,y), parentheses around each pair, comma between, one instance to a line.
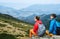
(10,26)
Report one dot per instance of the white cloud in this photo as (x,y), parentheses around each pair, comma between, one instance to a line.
(24,3)
(31,1)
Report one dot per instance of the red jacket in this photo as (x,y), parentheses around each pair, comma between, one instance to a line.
(36,25)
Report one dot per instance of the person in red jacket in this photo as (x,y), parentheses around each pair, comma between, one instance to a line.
(35,28)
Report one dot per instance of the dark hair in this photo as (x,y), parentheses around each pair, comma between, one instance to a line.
(54,15)
(37,17)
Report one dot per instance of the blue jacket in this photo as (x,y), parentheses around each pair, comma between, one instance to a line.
(52,28)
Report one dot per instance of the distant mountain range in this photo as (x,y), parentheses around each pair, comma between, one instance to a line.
(28,14)
(9,11)
(42,9)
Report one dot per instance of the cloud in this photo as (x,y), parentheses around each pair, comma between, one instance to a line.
(25,3)
(31,1)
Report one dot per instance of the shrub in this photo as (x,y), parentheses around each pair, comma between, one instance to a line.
(7,36)
(2,25)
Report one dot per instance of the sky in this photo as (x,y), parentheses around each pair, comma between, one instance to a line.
(20,4)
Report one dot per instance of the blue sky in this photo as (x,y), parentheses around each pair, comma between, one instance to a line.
(19,4)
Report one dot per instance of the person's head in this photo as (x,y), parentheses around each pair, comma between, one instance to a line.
(37,18)
(52,16)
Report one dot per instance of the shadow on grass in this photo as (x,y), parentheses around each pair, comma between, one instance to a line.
(7,36)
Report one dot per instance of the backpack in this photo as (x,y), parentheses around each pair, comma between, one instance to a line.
(41,29)
(58,28)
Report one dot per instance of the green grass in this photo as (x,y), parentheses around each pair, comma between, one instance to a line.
(7,36)
(15,23)
(23,27)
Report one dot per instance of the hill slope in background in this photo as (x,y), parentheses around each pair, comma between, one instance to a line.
(12,26)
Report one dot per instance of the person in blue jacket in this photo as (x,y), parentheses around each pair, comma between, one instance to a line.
(52,28)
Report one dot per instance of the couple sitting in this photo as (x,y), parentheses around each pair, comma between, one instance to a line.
(52,28)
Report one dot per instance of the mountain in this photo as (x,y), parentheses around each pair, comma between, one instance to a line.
(9,11)
(44,18)
(58,18)
(13,12)
(7,17)
(33,9)
(30,19)
(42,9)
(28,14)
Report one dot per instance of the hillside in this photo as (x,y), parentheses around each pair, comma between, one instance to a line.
(11,26)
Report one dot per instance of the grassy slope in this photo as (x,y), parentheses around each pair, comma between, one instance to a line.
(13,26)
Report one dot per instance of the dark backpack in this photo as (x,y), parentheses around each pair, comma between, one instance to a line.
(58,28)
